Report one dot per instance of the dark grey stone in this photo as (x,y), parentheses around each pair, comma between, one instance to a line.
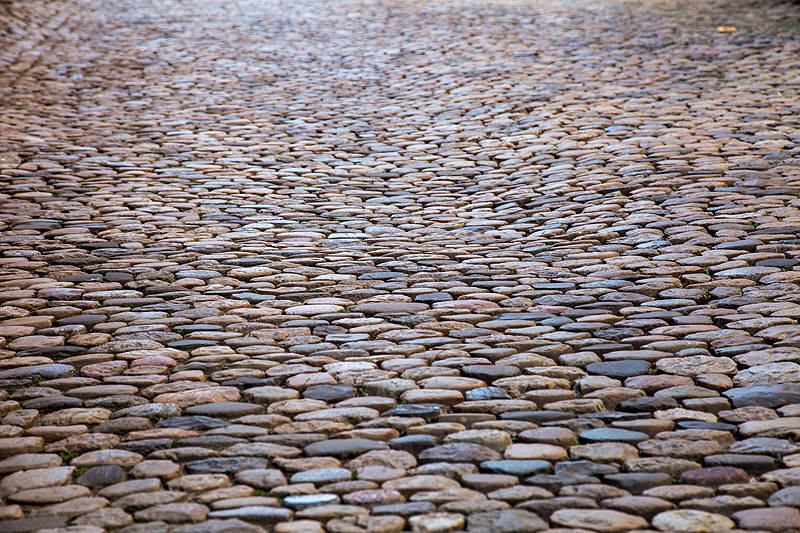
(753,464)
(490,373)
(414,444)
(428,411)
(487,393)
(636,483)
(52,403)
(192,423)
(49,371)
(537,417)
(101,476)
(619,369)
(585,468)
(404,509)
(329,393)
(515,467)
(226,465)
(26,525)
(770,396)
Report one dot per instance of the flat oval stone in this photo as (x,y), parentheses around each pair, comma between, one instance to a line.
(320,476)
(312,310)
(518,467)
(427,411)
(765,396)
(302,501)
(597,520)
(101,476)
(619,369)
(329,393)
(414,444)
(49,495)
(612,435)
(34,479)
(769,519)
(259,514)
(225,465)
(714,476)
(49,371)
(692,521)
(29,461)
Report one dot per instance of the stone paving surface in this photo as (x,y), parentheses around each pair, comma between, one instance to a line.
(381,265)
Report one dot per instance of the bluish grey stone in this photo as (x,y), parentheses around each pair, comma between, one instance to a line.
(199,274)
(764,446)
(612,435)
(770,396)
(49,371)
(788,497)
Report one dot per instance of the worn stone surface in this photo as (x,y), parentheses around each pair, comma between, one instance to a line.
(392,266)
(597,520)
(692,521)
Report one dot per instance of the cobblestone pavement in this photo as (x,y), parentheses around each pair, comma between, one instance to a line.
(381,265)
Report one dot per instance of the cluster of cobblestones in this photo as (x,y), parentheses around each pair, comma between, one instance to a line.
(382,266)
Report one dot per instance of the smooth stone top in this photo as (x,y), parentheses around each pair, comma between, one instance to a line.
(517,467)
(770,396)
(619,369)
(101,476)
(699,424)
(329,393)
(48,371)
(612,435)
